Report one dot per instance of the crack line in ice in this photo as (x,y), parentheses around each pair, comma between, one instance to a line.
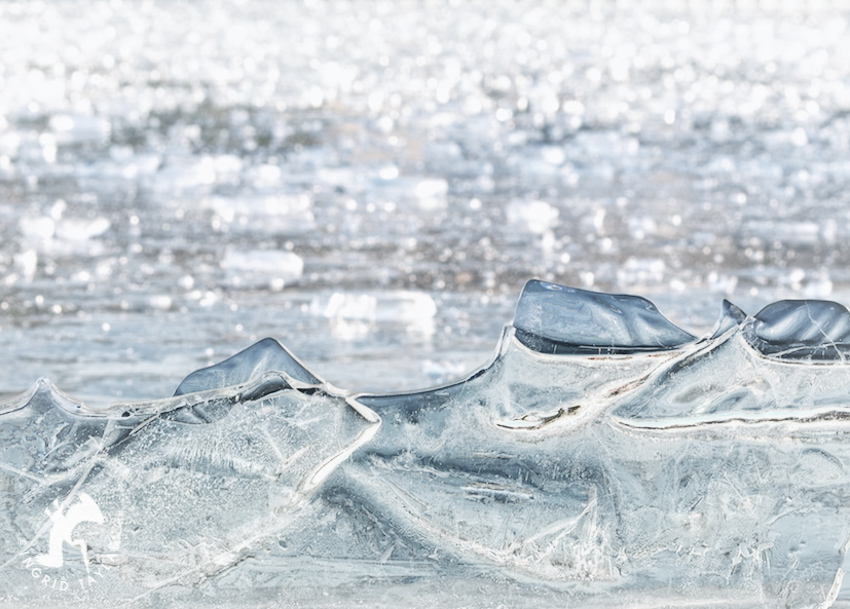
(716,419)
(823,332)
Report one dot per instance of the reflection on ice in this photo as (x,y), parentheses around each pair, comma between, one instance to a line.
(76,128)
(266,267)
(603,453)
(414,308)
(351,315)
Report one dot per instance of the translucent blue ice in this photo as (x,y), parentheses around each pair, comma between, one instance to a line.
(602,454)
(803,329)
(552,318)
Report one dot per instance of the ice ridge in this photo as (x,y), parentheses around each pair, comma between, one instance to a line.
(731,316)
(552,318)
(802,329)
(602,450)
(267,355)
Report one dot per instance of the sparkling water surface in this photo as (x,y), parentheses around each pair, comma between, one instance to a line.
(372,183)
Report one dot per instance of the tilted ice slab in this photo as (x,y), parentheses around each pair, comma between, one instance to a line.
(604,457)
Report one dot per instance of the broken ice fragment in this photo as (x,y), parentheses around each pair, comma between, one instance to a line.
(552,318)
(731,316)
(802,329)
(267,355)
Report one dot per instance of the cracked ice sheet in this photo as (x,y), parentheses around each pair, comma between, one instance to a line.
(706,471)
(186,496)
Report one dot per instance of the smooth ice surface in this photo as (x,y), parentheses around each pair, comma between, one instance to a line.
(556,319)
(803,329)
(268,355)
(659,469)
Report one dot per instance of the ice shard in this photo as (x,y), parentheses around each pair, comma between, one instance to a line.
(559,319)
(802,329)
(603,457)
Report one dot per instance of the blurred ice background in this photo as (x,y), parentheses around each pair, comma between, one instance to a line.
(373,182)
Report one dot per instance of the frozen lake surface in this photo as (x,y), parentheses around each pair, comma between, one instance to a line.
(373,183)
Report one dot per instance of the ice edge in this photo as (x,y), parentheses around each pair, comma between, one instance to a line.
(550,319)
